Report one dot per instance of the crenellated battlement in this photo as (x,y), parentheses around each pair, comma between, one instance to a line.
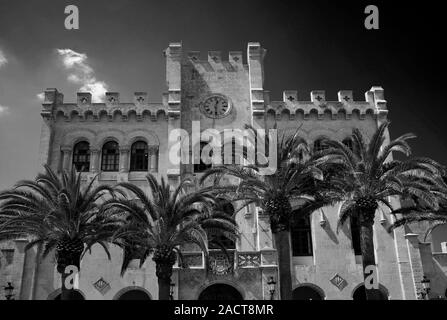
(374,104)
(54,107)
(214,61)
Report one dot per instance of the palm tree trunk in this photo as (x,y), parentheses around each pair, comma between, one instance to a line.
(282,244)
(164,287)
(164,272)
(66,260)
(368,257)
(67,294)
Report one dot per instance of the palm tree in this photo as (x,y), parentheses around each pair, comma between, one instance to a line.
(55,212)
(160,224)
(417,211)
(298,174)
(370,178)
(414,214)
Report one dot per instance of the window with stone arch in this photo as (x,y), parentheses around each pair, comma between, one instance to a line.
(110,156)
(301,232)
(139,156)
(81,156)
(348,142)
(318,145)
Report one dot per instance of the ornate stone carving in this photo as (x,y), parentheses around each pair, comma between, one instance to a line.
(252,259)
(220,263)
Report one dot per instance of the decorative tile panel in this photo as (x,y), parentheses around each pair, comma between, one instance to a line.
(102,286)
(246,260)
(339,282)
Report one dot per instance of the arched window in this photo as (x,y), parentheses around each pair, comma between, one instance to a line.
(81,156)
(202,166)
(302,237)
(74,295)
(220,291)
(214,237)
(355,235)
(110,157)
(319,146)
(306,293)
(438,237)
(139,156)
(360,293)
(348,142)
(134,294)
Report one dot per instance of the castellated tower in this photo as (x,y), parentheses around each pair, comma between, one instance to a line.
(123,141)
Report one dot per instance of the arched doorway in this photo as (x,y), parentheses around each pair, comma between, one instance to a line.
(306,293)
(360,293)
(134,294)
(75,295)
(220,291)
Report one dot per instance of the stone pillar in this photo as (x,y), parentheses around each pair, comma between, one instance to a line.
(153,159)
(415,262)
(66,157)
(124,159)
(444,247)
(173,56)
(255,58)
(94,160)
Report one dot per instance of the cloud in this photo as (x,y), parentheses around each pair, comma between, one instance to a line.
(3,59)
(40,96)
(81,73)
(3,110)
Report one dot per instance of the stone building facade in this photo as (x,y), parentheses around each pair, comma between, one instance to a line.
(122,141)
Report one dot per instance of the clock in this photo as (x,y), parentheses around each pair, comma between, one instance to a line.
(216,107)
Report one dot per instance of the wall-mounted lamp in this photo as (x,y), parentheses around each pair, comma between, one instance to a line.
(425,288)
(171,292)
(272,287)
(9,289)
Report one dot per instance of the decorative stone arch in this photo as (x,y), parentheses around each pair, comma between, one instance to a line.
(288,131)
(285,112)
(78,135)
(341,114)
(109,135)
(141,134)
(60,115)
(357,112)
(74,113)
(299,114)
(314,135)
(312,286)
(117,114)
(271,112)
(208,284)
(121,292)
(328,112)
(314,111)
(383,290)
(53,295)
(103,112)
(370,112)
(161,113)
(133,112)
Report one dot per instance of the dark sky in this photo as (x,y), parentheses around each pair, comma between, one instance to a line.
(310,45)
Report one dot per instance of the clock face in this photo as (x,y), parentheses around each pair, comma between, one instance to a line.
(216,107)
